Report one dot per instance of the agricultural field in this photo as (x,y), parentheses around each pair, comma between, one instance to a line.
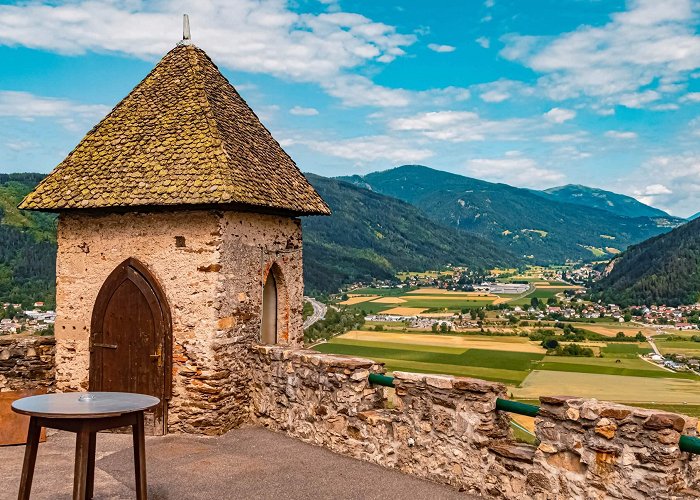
(620,388)
(685,347)
(410,302)
(523,365)
(506,362)
(611,329)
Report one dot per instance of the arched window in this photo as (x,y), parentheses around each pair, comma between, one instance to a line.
(269,307)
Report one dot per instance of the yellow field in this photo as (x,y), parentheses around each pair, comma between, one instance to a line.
(389,300)
(357,299)
(612,329)
(515,344)
(404,311)
(440,293)
(609,387)
(524,421)
(455,296)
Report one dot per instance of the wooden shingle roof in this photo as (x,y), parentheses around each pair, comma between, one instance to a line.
(183,136)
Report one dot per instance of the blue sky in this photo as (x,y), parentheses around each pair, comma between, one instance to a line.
(535,94)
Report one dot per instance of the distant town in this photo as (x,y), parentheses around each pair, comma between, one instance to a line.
(37,320)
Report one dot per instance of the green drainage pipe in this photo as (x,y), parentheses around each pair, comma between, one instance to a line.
(690,444)
(379,379)
(517,407)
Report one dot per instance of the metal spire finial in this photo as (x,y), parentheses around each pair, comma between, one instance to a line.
(186,36)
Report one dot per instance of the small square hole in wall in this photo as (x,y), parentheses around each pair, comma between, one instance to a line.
(179,241)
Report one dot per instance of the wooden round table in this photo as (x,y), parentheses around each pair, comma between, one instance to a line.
(84,413)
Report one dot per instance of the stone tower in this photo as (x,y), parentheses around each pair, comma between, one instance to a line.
(177,212)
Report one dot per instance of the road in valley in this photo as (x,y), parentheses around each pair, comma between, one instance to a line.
(319,313)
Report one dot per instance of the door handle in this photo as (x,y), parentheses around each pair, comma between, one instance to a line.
(158,356)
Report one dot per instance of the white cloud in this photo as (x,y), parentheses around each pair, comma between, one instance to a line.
(458,126)
(27,106)
(671,183)
(621,134)
(489,3)
(247,35)
(301,111)
(559,138)
(559,115)
(494,96)
(356,90)
(484,42)
(441,48)
(513,169)
(655,190)
(691,97)
(19,145)
(502,90)
(368,149)
(651,46)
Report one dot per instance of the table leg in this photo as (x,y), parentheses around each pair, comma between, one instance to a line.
(90,486)
(139,457)
(25,486)
(80,474)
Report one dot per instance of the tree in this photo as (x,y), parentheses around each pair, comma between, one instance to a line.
(535,302)
(550,343)
(640,337)
(620,335)
(482,314)
(444,328)
(628,317)
(472,314)
(434,328)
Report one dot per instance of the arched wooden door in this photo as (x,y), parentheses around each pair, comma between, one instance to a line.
(130,338)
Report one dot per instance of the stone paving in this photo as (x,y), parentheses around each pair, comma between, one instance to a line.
(245,463)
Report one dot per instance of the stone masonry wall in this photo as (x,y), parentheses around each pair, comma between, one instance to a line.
(447,429)
(26,363)
(210,265)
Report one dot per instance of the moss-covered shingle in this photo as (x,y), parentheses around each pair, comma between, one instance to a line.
(183,136)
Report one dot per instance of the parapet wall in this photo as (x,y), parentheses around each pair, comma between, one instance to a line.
(447,429)
(27,363)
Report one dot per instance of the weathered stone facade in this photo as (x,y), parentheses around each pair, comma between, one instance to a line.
(447,429)
(26,363)
(211,266)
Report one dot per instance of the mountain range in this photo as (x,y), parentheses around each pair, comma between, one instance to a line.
(371,235)
(407,218)
(542,227)
(618,204)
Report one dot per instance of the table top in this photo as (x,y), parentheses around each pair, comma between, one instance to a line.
(84,404)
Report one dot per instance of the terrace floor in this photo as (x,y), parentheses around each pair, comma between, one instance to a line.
(245,463)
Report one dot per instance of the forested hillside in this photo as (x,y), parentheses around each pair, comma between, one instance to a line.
(372,235)
(27,245)
(544,230)
(368,236)
(662,270)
